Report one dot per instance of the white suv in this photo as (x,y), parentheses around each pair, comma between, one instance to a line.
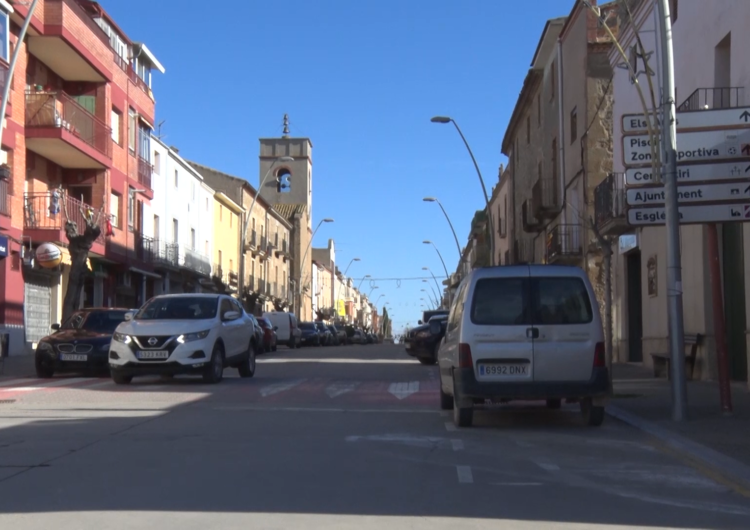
(184,334)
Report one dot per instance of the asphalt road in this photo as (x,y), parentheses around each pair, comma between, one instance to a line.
(328,438)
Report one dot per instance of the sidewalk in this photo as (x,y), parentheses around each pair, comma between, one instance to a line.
(17,366)
(722,442)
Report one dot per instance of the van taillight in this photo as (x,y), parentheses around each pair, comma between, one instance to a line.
(464,356)
(599,359)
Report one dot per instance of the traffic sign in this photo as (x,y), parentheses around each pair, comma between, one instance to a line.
(690,194)
(692,174)
(705,213)
(708,146)
(698,119)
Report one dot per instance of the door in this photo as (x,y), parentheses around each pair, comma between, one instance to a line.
(635,308)
(232,330)
(37,308)
(567,328)
(498,327)
(734,299)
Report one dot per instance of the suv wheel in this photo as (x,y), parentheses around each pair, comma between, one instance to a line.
(214,372)
(44,370)
(247,367)
(121,379)
(446,401)
(592,415)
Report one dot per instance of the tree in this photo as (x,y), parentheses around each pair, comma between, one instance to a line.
(79,245)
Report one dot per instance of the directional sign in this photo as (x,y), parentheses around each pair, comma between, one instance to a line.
(690,194)
(698,119)
(692,174)
(707,213)
(708,146)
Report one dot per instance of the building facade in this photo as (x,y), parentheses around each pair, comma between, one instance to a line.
(228,217)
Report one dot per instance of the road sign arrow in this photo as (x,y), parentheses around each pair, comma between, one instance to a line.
(747,190)
(745,116)
(746,149)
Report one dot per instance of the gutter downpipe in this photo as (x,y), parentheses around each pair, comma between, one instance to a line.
(561,127)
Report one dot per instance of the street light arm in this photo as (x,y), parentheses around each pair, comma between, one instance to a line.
(441,260)
(304,256)
(458,245)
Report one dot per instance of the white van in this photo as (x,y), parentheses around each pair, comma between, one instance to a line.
(287,331)
(524,332)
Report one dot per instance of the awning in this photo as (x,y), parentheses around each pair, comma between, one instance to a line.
(145,273)
(146,122)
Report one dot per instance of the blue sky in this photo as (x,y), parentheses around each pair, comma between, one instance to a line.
(361,78)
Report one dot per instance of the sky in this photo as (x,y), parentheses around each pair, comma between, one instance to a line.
(361,79)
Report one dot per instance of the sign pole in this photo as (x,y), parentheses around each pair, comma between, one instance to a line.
(722,359)
(674,267)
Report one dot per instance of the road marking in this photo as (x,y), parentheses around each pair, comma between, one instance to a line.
(12,382)
(450,426)
(404,390)
(548,467)
(516,484)
(336,361)
(337,389)
(464,474)
(458,445)
(52,384)
(270,390)
(261,408)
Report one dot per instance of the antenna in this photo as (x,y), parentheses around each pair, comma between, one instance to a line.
(158,128)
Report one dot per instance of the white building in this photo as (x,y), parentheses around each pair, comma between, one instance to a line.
(180,220)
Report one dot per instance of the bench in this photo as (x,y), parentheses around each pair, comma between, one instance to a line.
(662,359)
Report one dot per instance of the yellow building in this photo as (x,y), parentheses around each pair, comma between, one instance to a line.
(227,230)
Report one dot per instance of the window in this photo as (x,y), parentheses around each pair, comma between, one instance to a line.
(559,301)
(175,231)
(156,228)
(220,262)
(157,162)
(114,209)
(131,207)
(573,125)
(144,142)
(176,179)
(501,302)
(528,129)
(115,124)
(4,37)
(131,129)
(192,238)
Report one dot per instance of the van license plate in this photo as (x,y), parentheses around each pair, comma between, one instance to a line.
(157,354)
(513,370)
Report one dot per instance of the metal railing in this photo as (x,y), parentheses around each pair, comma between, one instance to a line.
(609,199)
(166,253)
(58,110)
(197,262)
(217,272)
(285,247)
(713,98)
(253,242)
(544,193)
(261,286)
(264,243)
(45,211)
(564,240)
(4,202)
(145,170)
(144,248)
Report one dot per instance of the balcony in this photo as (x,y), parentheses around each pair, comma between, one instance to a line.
(261,287)
(61,130)
(166,254)
(145,169)
(283,252)
(4,198)
(610,206)
(44,219)
(196,262)
(523,251)
(530,222)
(544,199)
(62,48)
(144,248)
(252,242)
(713,99)
(251,283)
(565,244)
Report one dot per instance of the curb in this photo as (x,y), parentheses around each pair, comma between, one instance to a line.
(730,468)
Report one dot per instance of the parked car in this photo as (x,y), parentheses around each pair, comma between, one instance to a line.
(325,334)
(524,332)
(270,338)
(81,344)
(338,336)
(426,340)
(288,331)
(369,339)
(310,334)
(359,337)
(174,334)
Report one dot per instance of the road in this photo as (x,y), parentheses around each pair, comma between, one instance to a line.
(328,438)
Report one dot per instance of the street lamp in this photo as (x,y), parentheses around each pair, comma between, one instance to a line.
(446,119)
(428,242)
(363,279)
(302,263)
(433,277)
(371,290)
(241,286)
(432,298)
(458,245)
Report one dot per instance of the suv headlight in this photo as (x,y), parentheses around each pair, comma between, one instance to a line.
(189,337)
(121,337)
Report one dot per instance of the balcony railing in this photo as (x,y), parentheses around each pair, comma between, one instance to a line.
(530,222)
(166,253)
(261,286)
(217,272)
(564,241)
(196,262)
(253,242)
(4,202)
(251,282)
(544,198)
(144,248)
(58,110)
(45,211)
(610,205)
(145,169)
(714,98)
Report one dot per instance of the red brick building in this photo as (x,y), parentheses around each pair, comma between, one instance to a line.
(76,138)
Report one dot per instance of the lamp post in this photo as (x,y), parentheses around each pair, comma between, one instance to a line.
(363,279)
(335,301)
(371,290)
(247,221)
(432,298)
(432,290)
(446,119)
(433,277)
(302,263)
(428,242)
(434,199)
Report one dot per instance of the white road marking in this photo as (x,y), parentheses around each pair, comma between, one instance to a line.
(103,383)
(261,408)
(404,390)
(279,387)
(516,484)
(548,467)
(458,445)
(336,361)
(51,384)
(12,382)
(450,426)
(465,475)
(337,389)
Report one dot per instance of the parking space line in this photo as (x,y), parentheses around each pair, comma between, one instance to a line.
(458,445)
(465,475)
(449,426)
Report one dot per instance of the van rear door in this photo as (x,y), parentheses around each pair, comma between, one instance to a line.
(497,327)
(567,327)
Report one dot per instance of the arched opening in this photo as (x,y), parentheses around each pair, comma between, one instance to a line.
(283,180)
